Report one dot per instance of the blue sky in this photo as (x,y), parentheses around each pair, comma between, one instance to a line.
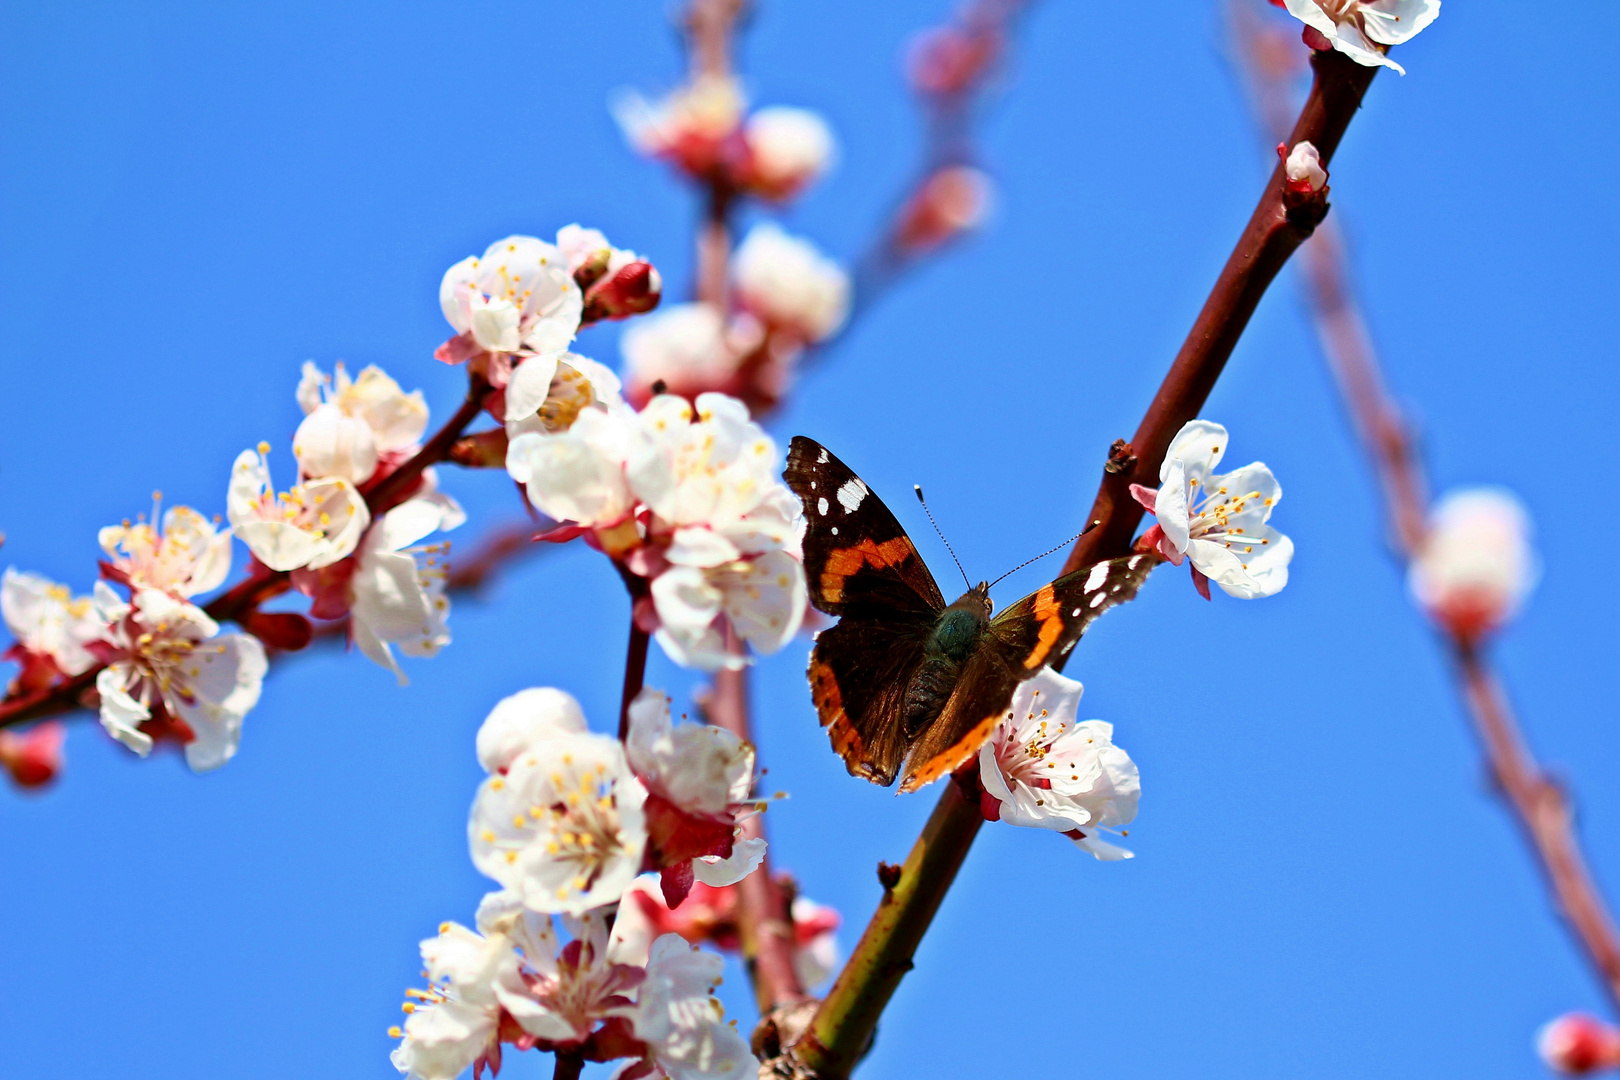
(196,198)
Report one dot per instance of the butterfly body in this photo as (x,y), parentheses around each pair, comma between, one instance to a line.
(905,684)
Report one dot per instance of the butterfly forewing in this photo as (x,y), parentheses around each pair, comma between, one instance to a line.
(858,559)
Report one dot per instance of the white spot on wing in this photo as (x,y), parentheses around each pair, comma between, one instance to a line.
(1098,575)
(851,494)
(821,505)
(822,460)
(1075,612)
(835,530)
(1133,561)
(1096,601)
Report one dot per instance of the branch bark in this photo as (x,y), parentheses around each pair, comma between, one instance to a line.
(845,1022)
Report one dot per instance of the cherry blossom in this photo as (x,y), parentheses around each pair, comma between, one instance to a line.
(310,526)
(52,628)
(690,127)
(1476,564)
(1576,1044)
(689,348)
(352,425)
(682,1022)
(578,475)
(167,655)
(187,556)
(518,298)
(564,828)
(1363,29)
(698,779)
(1217,521)
(524,719)
(397,592)
(33,758)
(954,199)
(1044,769)
(456,1020)
(787,283)
(546,393)
(787,149)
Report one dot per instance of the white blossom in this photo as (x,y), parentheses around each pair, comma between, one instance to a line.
(686,122)
(786,282)
(312,525)
(1476,564)
(787,149)
(704,771)
(519,297)
(526,719)
(187,556)
(682,1022)
(1362,28)
(578,475)
(351,424)
(563,828)
(48,621)
(456,1020)
(1048,770)
(170,653)
(1218,521)
(398,585)
(547,393)
(1303,166)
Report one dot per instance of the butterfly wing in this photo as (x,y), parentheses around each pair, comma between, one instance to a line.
(859,671)
(1040,628)
(859,561)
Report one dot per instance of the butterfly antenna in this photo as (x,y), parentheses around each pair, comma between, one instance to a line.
(1044,554)
(918,489)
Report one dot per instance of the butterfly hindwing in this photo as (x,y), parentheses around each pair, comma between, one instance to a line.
(1041,628)
(858,559)
(859,672)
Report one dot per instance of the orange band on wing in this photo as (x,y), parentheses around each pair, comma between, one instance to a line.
(953,758)
(846,742)
(843,562)
(1049,612)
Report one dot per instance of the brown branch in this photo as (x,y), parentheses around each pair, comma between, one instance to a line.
(246,595)
(847,1017)
(1270,238)
(764,915)
(1540,804)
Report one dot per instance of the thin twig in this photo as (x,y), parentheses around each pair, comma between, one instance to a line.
(847,1017)
(764,919)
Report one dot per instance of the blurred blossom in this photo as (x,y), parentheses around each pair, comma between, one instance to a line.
(947,60)
(690,127)
(1303,167)
(1476,564)
(952,200)
(788,284)
(689,348)
(52,628)
(1217,521)
(311,525)
(33,758)
(167,656)
(187,556)
(352,425)
(787,149)
(1363,29)
(1044,769)
(1576,1044)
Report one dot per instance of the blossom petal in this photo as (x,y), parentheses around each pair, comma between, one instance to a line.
(122,715)
(746,855)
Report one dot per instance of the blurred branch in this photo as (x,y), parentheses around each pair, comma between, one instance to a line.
(237,602)
(847,1019)
(1538,801)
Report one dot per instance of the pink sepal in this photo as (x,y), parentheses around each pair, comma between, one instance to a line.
(1147,496)
(458,350)
(561,534)
(1200,582)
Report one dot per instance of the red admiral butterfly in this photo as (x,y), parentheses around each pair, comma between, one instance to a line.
(903,679)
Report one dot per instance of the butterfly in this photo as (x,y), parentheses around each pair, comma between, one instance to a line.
(905,684)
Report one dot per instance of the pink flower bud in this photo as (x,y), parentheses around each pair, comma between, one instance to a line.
(34,757)
(1476,565)
(948,59)
(951,201)
(1303,167)
(1577,1044)
(633,290)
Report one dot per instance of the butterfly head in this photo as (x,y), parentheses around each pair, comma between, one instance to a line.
(977,598)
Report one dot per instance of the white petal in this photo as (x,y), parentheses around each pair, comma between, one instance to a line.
(525,719)
(746,855)
(530,385)
(121,714)
(1199,445)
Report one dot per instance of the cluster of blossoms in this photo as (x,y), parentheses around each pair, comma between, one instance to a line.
(1362,29)
(566,823)
(1216,522)
(687,503)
